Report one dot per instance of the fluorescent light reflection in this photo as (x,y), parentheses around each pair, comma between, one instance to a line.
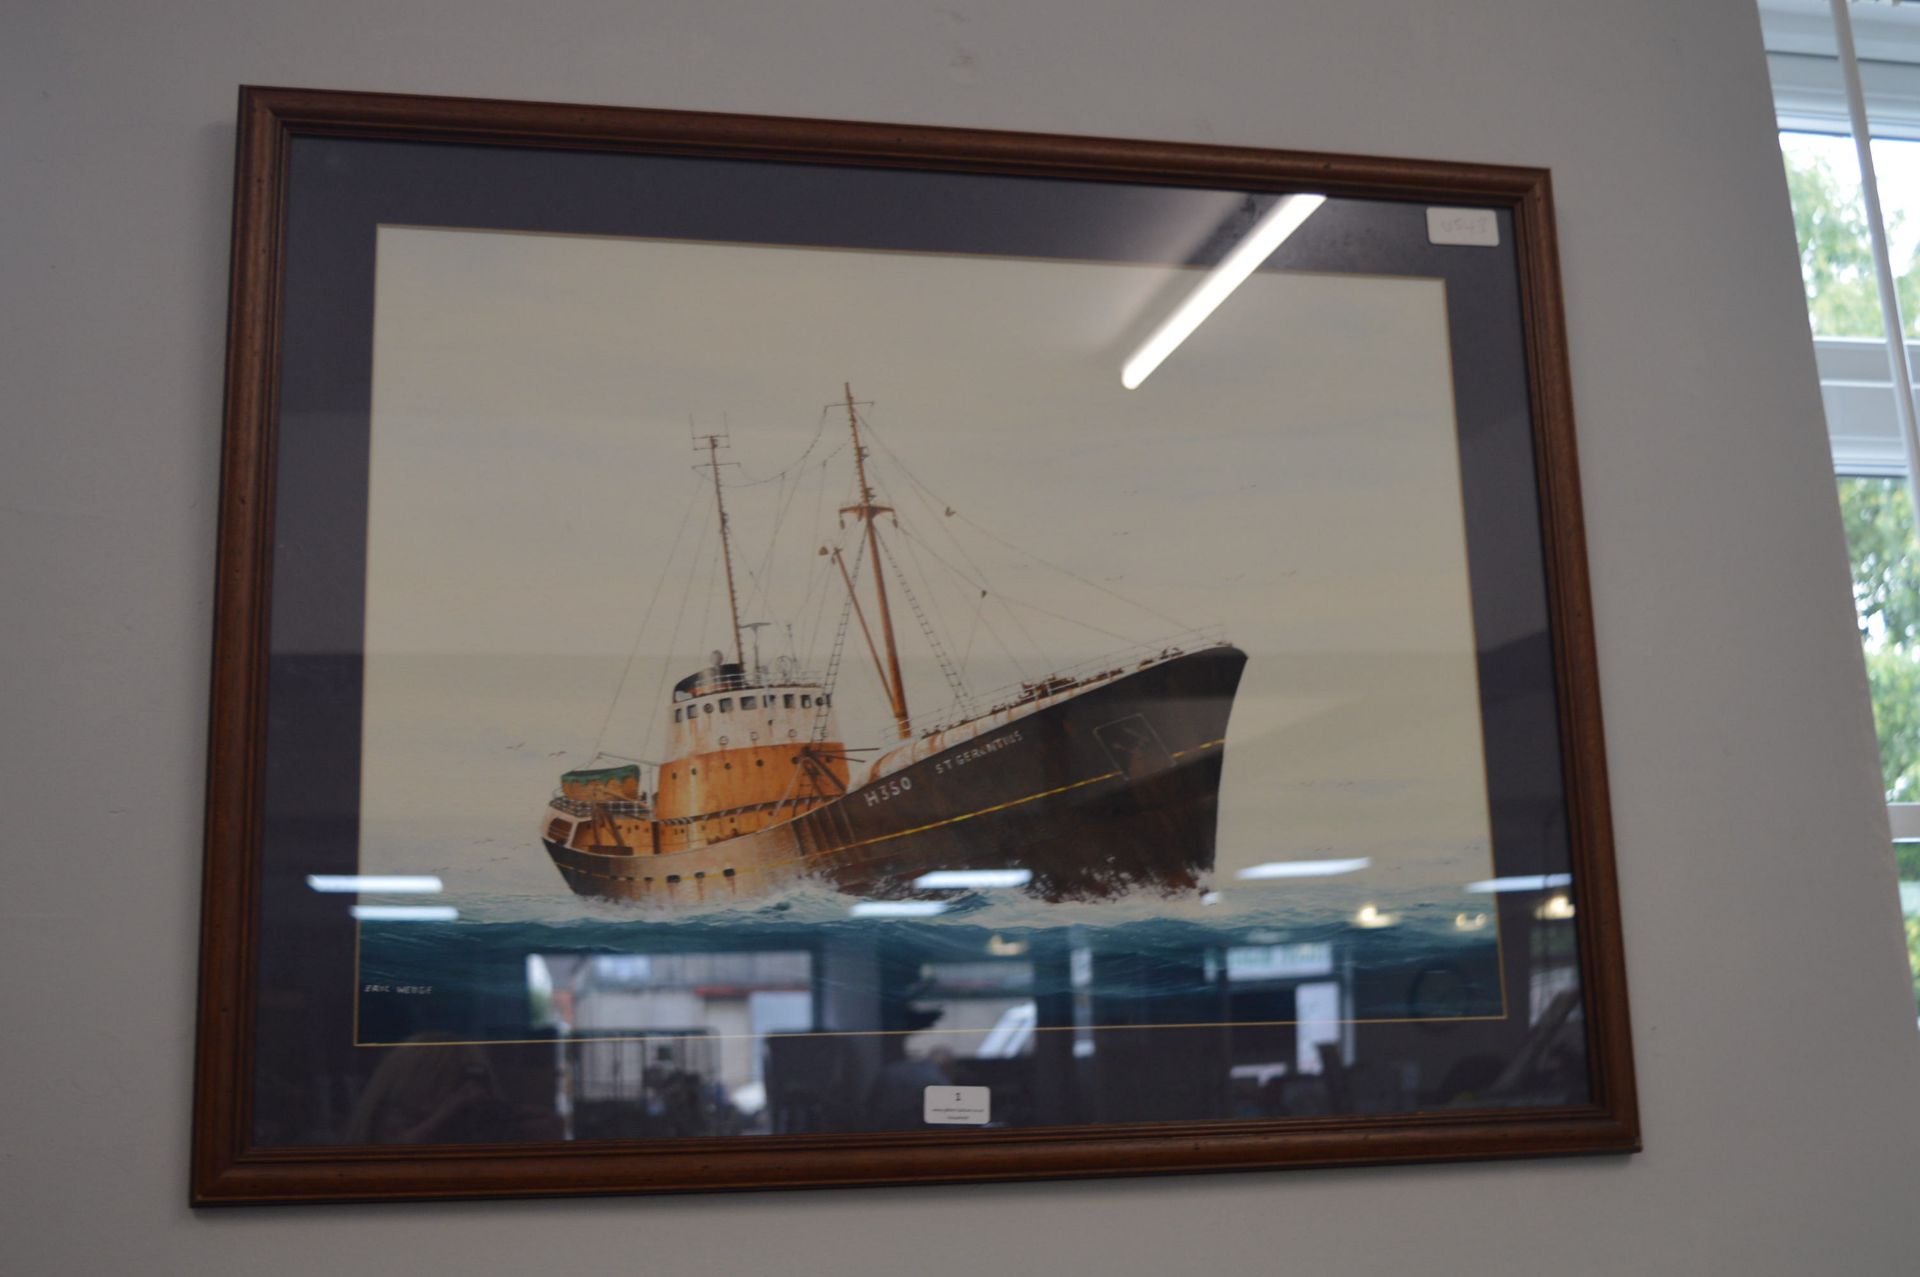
(1371,916)
(405,913)
(897,908)
(411,884)
(1302,868)
(962,878)
(1525,882)
(1271,231)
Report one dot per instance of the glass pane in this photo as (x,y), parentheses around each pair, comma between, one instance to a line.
(1315,861)
(1886,595)
(1829,217)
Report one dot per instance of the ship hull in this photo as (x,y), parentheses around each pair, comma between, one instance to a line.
(1099,794)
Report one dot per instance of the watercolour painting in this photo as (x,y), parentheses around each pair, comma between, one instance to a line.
(763,681)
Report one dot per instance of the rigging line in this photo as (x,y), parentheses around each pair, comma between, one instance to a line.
(783,501)
(927,497)
(955,684)
(811,622)
(830,678)
(1020,669)
(926,579)
(979,606)
(660,584)
(1072,620)
(713,575)
(820,428)
(980,614)
(1009,602)
(826,592)
(991,535)
(1154,612)
(797,615)
(654,726)
(780,522)
(823,579)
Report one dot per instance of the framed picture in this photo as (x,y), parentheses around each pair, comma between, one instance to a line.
(760,653)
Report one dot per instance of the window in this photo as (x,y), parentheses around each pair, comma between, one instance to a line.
(726,704)
(806,701)
(788,700)
(746,702)
(708,707)
(1856,379)
(676,715)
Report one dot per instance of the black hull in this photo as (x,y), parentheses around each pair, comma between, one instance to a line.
(1107,792)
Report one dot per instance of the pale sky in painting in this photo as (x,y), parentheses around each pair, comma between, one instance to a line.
(1289,475)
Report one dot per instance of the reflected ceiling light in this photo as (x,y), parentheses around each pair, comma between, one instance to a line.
(1525,882)
(962,878)
(1557,909)
(897,908)
(1469,921)
(1370,916)
(1271,231)
(1302,868)
(405,913)
(1209,897)
(420,884)
(1001,947)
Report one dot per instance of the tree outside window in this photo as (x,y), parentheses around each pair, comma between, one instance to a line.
(1836,267)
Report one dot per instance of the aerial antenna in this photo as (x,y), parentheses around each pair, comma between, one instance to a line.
(712,443)
(756,627)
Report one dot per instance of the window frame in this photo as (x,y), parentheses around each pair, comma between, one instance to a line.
(1856,386)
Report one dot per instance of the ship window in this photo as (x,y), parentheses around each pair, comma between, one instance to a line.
(788,700)
(708,707)
(726,704)
(806,702)
(746,702)
(826,700)
(677,714)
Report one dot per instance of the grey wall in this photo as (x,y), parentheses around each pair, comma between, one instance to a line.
(1779,1063)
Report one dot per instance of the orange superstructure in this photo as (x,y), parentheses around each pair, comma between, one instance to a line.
(747,748)
(746,751)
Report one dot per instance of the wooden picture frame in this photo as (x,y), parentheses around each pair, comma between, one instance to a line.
(246,1049)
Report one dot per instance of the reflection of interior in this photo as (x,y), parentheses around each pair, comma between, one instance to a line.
(1062,1026)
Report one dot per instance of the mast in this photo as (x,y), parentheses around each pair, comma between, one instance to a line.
(860,615)
(896,689)
(726,544)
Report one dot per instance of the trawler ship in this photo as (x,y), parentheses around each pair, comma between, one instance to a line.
(1082,785)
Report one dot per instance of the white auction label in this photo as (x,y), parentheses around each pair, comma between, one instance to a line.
(1473,227)
(958,1105)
